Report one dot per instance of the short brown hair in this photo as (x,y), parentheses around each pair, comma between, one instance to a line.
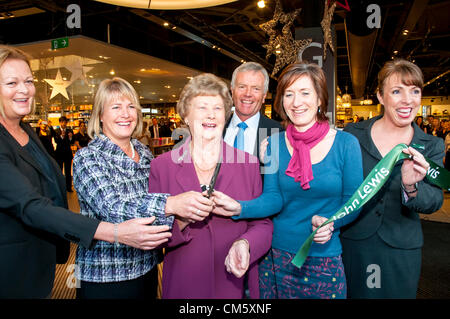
(410,74)
(107,90)
(9,52)
(205,84)
(289,75)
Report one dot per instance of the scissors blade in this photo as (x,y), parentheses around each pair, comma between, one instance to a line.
(213,179)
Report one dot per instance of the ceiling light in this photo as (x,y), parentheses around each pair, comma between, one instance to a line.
(166,24)
(142,70)
(167,86)
(167,5)
(112,72)
(261,4)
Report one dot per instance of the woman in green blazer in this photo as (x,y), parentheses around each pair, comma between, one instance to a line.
(382,248)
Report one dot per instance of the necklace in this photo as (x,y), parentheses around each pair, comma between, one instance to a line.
(132,150)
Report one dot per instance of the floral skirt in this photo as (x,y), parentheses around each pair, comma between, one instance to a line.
(319,277)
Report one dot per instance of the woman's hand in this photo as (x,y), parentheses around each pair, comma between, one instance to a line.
(413,170)
(263,148)
(238,258)
(225,205)
(191,206)
(324,233)
(137,233)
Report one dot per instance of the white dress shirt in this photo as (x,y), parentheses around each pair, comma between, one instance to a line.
(250,132)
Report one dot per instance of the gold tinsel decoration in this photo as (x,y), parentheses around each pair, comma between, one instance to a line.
(282,45)
(328,13)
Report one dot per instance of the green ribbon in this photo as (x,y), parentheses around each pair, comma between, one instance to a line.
(370,186)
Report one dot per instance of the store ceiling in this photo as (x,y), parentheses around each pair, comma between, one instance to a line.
(234,28)
(155,80)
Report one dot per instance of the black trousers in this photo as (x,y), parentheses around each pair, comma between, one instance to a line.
(67,164)
(144,287)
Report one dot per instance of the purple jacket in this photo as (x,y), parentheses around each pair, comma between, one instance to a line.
(194,263)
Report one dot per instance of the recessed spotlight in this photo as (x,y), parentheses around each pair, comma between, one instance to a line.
(261,4)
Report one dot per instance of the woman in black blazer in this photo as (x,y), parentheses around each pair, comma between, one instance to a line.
(34,220)
(382,248)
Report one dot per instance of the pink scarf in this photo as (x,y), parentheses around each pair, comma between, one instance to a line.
(300,164)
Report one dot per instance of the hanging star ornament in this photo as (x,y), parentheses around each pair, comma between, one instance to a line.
(286,51)
(282,45)
(328,13)
(59,86)
(78,70)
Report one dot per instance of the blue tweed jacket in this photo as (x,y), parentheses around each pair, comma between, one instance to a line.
(112,187)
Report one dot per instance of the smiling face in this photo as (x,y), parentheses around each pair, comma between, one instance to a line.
(248,93)
(16,88)
(301,103)
(401,101)
(206,117)
(119,119)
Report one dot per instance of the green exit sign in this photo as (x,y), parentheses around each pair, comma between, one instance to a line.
(60,43)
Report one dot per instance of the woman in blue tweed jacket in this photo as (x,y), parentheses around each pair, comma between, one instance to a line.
(111,179)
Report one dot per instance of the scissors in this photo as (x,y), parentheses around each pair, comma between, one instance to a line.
(213,180)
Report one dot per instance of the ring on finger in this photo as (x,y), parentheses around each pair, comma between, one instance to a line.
(198,212)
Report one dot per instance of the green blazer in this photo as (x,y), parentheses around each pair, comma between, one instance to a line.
(397,222)
(33,232)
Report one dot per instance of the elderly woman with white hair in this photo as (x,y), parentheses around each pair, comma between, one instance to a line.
(210,258)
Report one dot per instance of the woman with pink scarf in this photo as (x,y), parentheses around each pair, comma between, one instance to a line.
(314,170)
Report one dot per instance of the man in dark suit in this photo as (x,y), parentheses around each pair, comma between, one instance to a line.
(63,153)
(155,129)
(249,86)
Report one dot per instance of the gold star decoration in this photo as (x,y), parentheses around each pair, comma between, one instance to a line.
(59,86)
(328,12)
(286,50)
(283,45)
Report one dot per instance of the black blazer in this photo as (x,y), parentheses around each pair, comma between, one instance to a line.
(395,221)
(266,127)
(63,150)
(29,222)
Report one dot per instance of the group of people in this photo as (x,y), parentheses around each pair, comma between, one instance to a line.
(440,129)
(231,205)
(434,126)
(64,138)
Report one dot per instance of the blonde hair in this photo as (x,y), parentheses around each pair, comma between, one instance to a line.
(108,90)
(205,84)
(9,52)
